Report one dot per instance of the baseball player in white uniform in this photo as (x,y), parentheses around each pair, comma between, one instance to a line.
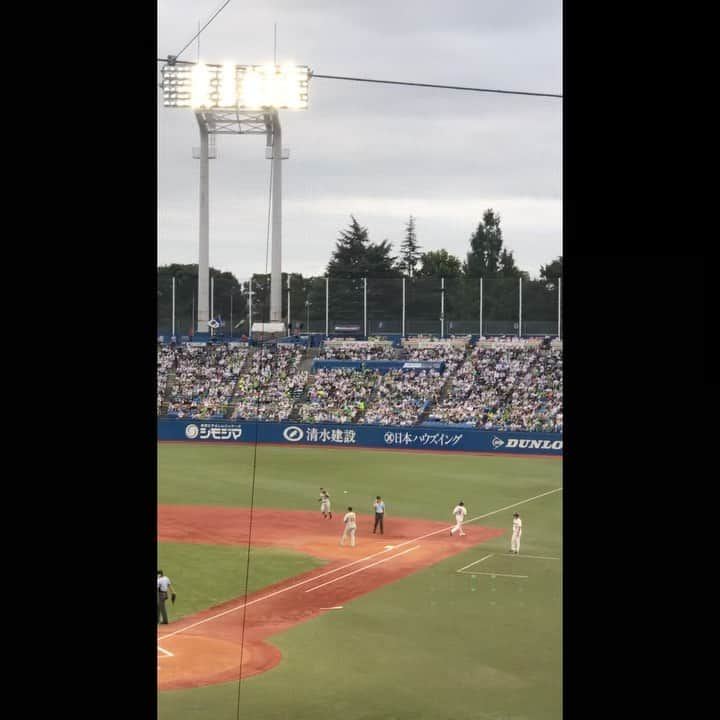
(459,511)
(516,534)
(325,503)
(350,521)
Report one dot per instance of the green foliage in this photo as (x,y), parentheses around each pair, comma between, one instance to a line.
(186,285)
(439,263)
(409,250)
(552,271)
(356,257)
(486,242)
(261,296)
(507,267)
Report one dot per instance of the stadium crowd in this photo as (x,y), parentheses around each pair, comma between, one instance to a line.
(403,395)
(517,387)
(266,390)
(165,363)
(497,385)
(204,380)
(357,350)
(337,395)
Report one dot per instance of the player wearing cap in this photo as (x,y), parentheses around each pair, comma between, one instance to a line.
(516,534)
(350,521)
(459,511)
(325,503)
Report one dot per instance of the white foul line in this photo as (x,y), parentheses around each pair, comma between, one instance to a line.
(478,517)
(272,594)
(316,577)
(507,507)
(494,574)
(476,562)
(392,557)
(166,652)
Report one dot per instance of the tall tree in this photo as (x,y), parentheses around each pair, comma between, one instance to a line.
(552,271)
(540,300)
(348,257)
(439,263)
(379,262)
(507,267)
(356,257)
(483,260)
(409,250)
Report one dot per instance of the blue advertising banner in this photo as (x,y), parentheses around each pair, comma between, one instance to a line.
(380,365)
(333,364)
(415,437)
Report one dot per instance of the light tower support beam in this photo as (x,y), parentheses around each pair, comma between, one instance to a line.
(235,100)
(203,310)
(276,247)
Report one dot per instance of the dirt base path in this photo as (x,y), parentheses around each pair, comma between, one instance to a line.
(204,649)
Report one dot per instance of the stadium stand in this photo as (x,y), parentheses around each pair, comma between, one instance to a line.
(494,384)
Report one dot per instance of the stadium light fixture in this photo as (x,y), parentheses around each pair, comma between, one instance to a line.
(244,87)
(231,99)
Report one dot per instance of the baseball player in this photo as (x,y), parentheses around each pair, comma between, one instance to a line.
(459,512)
(350,521)
(516,534)
(325,503)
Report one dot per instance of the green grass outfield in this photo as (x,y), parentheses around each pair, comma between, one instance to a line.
(437,645)
(207,575)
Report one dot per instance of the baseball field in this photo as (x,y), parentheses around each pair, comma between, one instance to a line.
(413,624)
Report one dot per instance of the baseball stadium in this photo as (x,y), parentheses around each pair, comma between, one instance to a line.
(359,442)
(413,623)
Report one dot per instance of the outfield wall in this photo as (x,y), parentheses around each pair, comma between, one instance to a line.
(435,437)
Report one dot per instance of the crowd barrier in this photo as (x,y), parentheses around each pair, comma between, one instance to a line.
(415,437)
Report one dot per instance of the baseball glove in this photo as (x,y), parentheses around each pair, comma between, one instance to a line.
(172,598)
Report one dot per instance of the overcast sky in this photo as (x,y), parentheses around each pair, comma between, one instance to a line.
(378,152)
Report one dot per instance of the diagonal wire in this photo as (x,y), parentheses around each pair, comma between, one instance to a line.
(406,83)
(431,85)
(217,12)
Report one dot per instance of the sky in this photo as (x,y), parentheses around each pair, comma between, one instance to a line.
(378,152)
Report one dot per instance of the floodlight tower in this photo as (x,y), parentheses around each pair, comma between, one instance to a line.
(237,100)
(277,153)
